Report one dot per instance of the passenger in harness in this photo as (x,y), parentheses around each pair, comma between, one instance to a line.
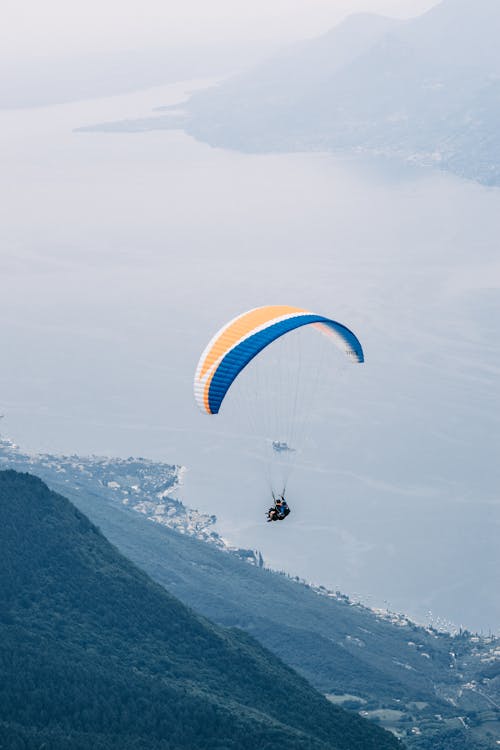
(280,510)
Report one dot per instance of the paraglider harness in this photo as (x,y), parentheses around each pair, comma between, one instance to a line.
(280,510)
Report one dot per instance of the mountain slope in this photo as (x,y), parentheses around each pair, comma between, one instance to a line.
(322,633)
(376,662)
(94,654)
(342,648)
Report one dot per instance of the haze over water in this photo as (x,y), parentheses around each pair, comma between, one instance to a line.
(121,254)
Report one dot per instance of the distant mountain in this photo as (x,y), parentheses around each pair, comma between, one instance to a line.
(404,676)
(426,90)
(93,654)
(266,100)
(256,109)
(269,92)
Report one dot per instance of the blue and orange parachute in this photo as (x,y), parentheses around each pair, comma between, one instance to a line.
(244,337)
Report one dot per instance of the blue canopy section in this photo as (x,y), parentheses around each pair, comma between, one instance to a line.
(238,358)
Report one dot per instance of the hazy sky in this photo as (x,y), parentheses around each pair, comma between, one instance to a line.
(58,28)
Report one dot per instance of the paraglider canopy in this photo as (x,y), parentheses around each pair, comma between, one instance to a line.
(244,337)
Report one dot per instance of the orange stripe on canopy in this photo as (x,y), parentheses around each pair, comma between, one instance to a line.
(241,327)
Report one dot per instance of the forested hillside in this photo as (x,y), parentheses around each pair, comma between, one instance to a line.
(93,654)
(404,676)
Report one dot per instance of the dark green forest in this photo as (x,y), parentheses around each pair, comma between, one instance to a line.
(94,654)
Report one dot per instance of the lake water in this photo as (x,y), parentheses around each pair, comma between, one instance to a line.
(121,254)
